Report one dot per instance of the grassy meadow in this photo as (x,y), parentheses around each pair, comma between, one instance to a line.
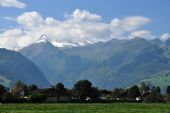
(85,108)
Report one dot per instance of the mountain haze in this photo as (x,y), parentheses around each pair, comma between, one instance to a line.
(116,63)
(56,65)
(135,60)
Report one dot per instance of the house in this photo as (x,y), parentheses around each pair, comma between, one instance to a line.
(105,95)
(88,99)
(138,98)
(52,96)
(144,94)
(62,98)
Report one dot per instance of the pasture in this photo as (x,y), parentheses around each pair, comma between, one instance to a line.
(85,108)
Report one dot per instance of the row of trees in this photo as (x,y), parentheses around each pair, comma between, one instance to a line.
(142,93)
(83,90)
(21,92)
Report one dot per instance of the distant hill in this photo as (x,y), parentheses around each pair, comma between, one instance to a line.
(116,63)
(14,66)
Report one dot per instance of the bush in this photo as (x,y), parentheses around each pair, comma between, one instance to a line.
(151,98)
(37,97)
(133,92)
(167,98)
(9,97)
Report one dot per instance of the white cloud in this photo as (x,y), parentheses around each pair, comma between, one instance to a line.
(9,18)
(51,21)
(9,43)
(11,33)
(83,15)
(142,34)
(165,36)
(9,38)
(30,20)
(79,26)
(127,24)
(12,3)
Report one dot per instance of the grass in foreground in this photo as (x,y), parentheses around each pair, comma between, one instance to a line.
(85,108)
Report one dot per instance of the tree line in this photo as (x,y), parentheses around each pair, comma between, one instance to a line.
(83,91)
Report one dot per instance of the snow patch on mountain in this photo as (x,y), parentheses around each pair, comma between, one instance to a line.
(70,44)
(42,39)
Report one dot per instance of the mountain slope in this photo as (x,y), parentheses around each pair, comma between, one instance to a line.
(167,43)
(56,65)
(14,66)
(161,80)
(97,52)
(132,61)
(116,63)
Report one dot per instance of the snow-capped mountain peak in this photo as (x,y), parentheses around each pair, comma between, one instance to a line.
(42,39)
(62,44)
(69,44)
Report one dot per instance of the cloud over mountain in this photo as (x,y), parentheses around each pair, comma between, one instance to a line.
(165,36)
(142,33)
(79,26)
(128,24)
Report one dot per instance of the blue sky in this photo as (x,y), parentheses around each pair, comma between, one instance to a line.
(157,11)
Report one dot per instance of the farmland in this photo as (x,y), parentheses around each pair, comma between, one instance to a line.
(85,108)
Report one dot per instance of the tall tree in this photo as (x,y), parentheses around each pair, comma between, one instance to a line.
(133,92)
(31,88)
(94,94)
(154,96)
(119,93)
(2,90)
(82,89)
(168,90)
(144,88)
(59,89)
(19,87)
(157,90)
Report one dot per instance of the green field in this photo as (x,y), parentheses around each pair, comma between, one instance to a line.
(85,108)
